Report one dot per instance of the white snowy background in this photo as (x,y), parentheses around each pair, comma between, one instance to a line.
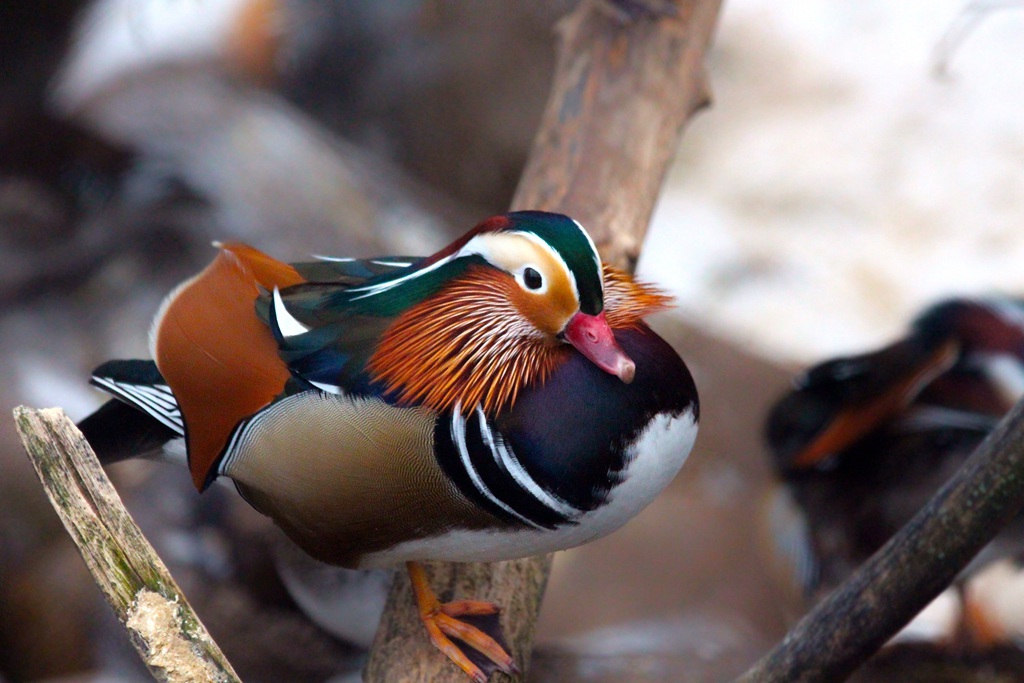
(862,159)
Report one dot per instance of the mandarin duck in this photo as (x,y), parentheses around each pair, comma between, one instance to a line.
(499,399)
(863,442)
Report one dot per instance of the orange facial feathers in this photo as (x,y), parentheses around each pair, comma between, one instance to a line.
(471,343)
(464,345)
(220,361)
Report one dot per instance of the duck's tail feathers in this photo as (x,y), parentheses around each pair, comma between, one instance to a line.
(142,418)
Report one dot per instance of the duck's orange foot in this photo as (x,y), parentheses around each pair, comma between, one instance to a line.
(468,632)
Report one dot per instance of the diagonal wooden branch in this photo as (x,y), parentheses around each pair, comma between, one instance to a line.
(856,619)
(626,82)
(168,635)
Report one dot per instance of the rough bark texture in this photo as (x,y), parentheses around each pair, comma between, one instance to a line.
(160,623)
(908,572)
(629,75)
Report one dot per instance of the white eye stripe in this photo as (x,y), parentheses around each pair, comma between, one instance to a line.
(489,247)
(593,247)
(484,246)
(555,255)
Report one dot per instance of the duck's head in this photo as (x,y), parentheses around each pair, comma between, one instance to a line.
(553,279)
(507,300)
(961,353)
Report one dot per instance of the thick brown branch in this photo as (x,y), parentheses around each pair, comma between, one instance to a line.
(160,623)
(623,89)
(868,609)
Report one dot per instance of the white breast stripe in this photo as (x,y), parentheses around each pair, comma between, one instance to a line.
(142,398)
(287,325)
(597,255)
(459,438)
(504,456)
(334,259)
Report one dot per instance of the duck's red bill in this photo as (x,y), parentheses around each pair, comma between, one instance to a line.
(592,337)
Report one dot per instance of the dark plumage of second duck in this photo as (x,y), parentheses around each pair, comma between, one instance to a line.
(862,442)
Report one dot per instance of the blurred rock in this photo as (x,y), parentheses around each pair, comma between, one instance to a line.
(270,174)
(838,185)
(456,99)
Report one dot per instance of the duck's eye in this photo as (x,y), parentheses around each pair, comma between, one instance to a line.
(532,279)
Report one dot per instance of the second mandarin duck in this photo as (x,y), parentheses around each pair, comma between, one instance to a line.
(863,442)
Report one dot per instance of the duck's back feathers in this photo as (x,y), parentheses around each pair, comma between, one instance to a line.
(840,401)
(351,271)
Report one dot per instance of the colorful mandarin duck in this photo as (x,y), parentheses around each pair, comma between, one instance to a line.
(862,443)
(499,399)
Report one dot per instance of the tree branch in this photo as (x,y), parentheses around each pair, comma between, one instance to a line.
(161,625)
(885,593)
(626,82)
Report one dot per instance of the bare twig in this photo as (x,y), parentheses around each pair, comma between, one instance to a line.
(856,619)
(160,623)
(965,23)
(625,84)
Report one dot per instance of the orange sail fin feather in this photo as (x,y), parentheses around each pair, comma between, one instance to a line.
(220,361)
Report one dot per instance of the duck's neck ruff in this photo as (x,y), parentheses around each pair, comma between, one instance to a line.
(466,345)
(470,345)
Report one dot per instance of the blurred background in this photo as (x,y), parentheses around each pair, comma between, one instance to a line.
(862,159)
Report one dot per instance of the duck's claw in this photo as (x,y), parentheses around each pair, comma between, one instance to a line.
(479,648)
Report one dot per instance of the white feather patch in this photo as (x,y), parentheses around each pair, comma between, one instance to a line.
(287,325)
(936,623)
